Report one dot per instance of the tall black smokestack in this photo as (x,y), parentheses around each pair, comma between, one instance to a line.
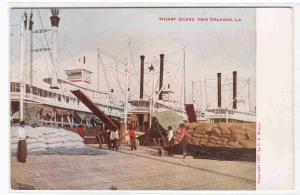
(142,77)
(234,104)
(161,75)
(219,90)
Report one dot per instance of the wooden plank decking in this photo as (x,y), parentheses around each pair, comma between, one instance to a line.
(132,170)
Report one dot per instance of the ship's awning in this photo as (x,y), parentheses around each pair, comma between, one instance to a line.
(31,111)
(96,119)
(168,118)
(48,110)
(81,115)
(16,115)
(63,112)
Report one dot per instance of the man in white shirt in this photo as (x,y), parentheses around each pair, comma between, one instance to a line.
(22,146)
(114,137)
(170,141)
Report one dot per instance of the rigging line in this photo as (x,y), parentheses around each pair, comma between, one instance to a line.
(65,47)
(112,57)
(223,79)
(178,66)
(40,55)
(118,77)
(131,56)
(114,78)
(138,73)
(113,66)
(51,57)
(171,55)
(67,51)
(182,83)
(13,25)
(147,80)
(213,85)
(47,64)
(114,69)
(205,91)
(103,69)
(111,80)
(167,79)
(173,76)
(238,95)
(42,42)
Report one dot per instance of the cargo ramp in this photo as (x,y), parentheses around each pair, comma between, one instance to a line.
(191,114)
(95,109)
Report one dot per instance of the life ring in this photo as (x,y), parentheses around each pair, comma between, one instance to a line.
(202,114)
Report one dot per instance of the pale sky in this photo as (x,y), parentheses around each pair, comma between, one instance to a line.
(211,47)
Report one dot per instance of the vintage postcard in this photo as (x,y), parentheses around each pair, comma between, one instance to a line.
(150,98)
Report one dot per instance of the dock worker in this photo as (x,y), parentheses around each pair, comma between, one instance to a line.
(114,138)
(132,137)
(183,139)
(22,146)
(170,141)
(81,130)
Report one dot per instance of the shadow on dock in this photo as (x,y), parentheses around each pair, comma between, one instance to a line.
(218,153)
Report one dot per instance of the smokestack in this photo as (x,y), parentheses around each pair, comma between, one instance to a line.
(142,77)
(219,90)
(161,75)
(83,59)
(234,104)
(54,24)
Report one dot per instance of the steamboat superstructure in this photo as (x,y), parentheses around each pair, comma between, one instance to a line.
(49,101)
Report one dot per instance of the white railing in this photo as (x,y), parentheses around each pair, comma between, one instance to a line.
(72,105)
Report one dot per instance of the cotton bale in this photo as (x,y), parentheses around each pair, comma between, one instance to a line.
(203,139)
(247,143)
(225,140)
(190,131)
(214,138)
(226,136)
(212,141)
(236,129)
(220,143)
(234,144)
(197,135)
(192,125)
(216,131)
(224,130)
(202,127)
(251,133)
(211,144)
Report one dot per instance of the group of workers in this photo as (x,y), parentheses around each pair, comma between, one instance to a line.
(114,137)
(113,140)
(183,140)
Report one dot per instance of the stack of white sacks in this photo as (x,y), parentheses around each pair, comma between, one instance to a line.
(43,138)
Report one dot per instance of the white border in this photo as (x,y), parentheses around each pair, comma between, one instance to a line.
(274,99)
(4,103)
